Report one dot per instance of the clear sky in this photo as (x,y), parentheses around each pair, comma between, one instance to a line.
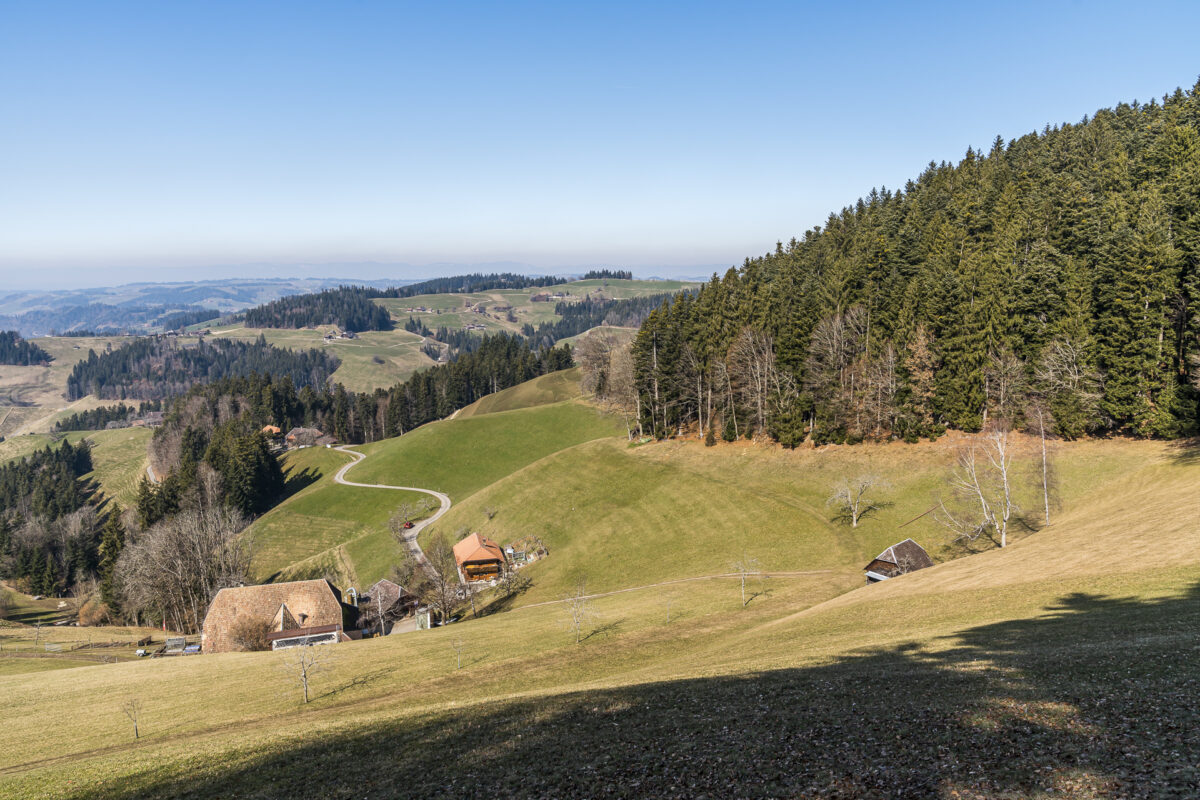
(182,140)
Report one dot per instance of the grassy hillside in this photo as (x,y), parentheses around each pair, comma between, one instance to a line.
(379,359)
(324,528)
(626,516)
(455,310)
(553,388)
(1061,665)
(118,456)
(341,531)
(461,456)
(373,360)
(32,399)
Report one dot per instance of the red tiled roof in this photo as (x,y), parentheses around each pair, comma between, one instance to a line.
(477,548)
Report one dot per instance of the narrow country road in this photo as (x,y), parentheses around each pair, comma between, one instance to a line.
(410,535)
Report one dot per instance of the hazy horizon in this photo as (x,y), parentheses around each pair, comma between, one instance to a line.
(171,142)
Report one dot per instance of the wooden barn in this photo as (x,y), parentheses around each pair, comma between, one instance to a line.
(384,604)
(479,558)
(902,557)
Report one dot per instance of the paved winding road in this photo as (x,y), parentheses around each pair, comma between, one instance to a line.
(410,535)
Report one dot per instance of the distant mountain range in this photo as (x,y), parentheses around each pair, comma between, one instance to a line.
(138,307)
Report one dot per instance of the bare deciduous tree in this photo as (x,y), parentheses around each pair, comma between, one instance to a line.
(852,497)
(132,708)
(513,582)
(176,567)
(983,483)
(1040,419)
(1004,384)
(622,394)
(579,610)
(404,514)
(751,362)
(303,662)
(1064,371)
(745,567)
(593,354)
(433,579)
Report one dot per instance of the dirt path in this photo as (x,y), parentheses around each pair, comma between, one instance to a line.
(410,535)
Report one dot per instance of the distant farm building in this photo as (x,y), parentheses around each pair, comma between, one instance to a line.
(271,430)
(900,558)
(479,558)
(304,437)
(298,611)
(386,603)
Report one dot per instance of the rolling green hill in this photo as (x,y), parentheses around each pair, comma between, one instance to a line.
(341,531)
(553,388)
(118,456)
(461,456)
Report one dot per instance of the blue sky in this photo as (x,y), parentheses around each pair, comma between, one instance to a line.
(174,141)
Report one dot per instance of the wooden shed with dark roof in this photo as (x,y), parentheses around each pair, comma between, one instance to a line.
(902,557)
(295,605)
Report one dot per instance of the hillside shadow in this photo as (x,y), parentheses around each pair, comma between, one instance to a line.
(1186,451)
(1093,698)
(295,480)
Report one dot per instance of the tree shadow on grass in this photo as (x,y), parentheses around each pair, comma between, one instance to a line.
(358,680)
(603,630)
(1093,698)
(1186,451)
(294,480)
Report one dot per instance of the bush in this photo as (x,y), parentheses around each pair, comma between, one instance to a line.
(250,634)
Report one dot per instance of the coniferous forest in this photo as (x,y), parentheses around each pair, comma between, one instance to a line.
(348,307)
(475,282)
(608,274)
(47,530)
(17,351)
(97,419)
(159,368)
(1054,277)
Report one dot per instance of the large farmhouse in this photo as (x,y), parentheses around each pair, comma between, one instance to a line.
(479,558)
(299,609)
(902,557)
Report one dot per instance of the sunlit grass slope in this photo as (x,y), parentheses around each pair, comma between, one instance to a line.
(324,528)
(118,457)
(543,390)
(623,516)
(1061,666)
(372,360)
(461,456)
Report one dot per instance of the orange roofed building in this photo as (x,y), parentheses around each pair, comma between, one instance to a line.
(479,558)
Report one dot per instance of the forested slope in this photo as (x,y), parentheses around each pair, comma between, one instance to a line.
(1054,276)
